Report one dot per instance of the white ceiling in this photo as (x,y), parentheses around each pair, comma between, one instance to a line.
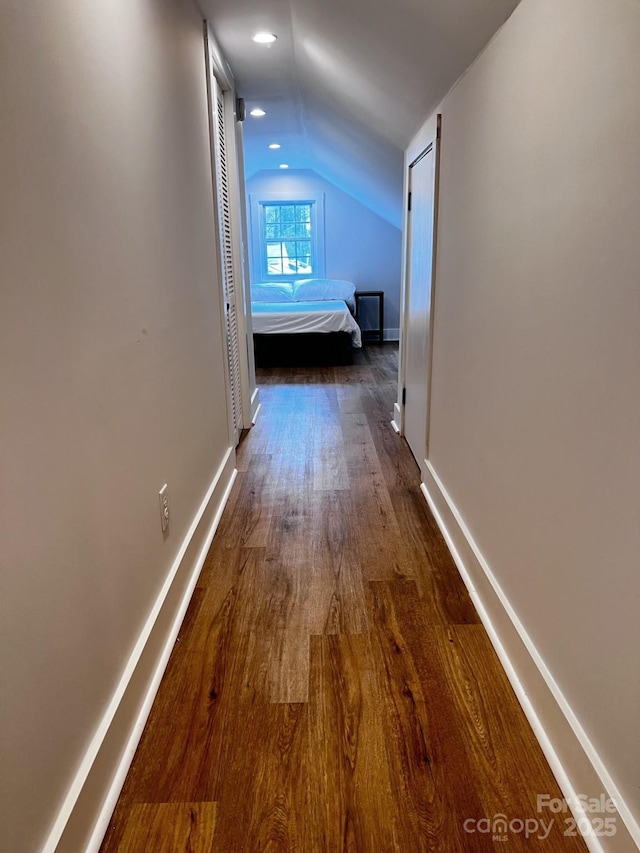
(348,82)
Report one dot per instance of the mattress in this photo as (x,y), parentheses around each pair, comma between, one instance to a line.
(294,318)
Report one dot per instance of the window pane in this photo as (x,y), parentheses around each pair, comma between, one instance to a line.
(287,239)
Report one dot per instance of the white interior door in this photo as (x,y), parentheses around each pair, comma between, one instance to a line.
(418,301)
(223,191)
(231,283)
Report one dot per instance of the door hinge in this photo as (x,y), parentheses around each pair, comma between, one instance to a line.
(404,396)
(409,202)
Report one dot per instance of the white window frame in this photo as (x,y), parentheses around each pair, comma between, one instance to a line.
(257,202)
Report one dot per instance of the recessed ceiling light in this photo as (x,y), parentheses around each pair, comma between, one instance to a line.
(284,165)
(257,112)
(274,146)
(264,38)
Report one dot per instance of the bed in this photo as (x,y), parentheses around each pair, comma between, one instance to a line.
(307,322)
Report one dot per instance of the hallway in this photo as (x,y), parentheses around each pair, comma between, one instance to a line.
(332,687)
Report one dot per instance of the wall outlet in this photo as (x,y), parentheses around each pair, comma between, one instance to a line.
(164,507)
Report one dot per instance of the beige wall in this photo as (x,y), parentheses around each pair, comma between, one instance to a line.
(111,362)
(535,430)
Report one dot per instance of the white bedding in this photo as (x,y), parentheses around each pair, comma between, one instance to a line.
(275,318)
(305,290)
(312,289)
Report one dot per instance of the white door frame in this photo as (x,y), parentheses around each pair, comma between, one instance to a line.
(427,139)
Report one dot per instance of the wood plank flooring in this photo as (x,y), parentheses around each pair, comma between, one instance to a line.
(332,688)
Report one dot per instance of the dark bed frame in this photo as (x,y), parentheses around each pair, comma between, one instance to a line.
(303,350)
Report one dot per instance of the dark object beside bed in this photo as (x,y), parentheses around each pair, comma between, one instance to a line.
(315,349)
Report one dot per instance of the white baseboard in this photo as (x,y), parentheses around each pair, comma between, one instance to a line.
(572,757)
(396,423)
(391,334)
(255,405)
(85,813)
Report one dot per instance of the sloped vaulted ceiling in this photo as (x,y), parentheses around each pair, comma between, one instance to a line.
(348,82)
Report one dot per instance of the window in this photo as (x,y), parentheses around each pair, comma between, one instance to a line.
(288,238)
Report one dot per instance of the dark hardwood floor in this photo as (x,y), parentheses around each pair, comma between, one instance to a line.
(332,688)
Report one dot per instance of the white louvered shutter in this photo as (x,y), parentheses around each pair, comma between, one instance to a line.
(228,272)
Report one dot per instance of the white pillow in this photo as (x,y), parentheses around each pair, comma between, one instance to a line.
(276,291)
(312,289)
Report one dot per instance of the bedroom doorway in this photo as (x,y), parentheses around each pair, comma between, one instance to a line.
(418,319)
